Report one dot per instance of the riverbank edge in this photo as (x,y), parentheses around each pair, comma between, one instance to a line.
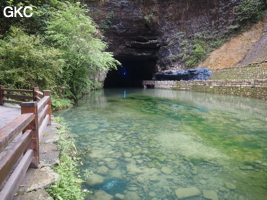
(69,186)
(54,178)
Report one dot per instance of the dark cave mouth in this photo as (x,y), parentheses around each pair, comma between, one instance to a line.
(132,71)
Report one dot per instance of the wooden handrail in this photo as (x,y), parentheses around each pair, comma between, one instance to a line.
(11,101)
(34,118)
(42,114)
(10,158)
(42,103)
(18,96)
(11,130)
(2,92)
(13,182)
(18,90)
(40,93)
(36,94)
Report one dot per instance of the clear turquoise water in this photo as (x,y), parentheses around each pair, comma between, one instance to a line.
(161,140)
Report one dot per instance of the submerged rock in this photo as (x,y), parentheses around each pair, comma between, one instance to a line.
(119,196)
(137,151)
(115,173)
(152,194)
(94,180)
(194,170)
(112,165)
(210,194)
(133,169)
(154,178)
(246,167)
(132,196)
(230,186)
(166,170)
(187,192)
(127,155)
(203,182)
(113,186)
(100,195)
(103,170)
(140,179)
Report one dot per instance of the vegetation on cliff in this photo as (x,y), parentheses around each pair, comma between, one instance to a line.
(251,10)
(59,48)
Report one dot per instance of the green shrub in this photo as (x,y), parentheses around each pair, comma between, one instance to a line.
(58,103)
(198,54)
(105,23)
(83,50)
(27,62)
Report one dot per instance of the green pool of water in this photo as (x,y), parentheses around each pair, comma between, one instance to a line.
(159,141)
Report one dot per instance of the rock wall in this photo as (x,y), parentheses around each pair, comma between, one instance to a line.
(161,30)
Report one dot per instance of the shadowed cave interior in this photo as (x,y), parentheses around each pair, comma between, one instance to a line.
(131,72)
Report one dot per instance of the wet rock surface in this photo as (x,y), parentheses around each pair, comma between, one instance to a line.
(41,178)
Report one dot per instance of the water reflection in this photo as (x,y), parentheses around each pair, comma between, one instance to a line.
(165,144)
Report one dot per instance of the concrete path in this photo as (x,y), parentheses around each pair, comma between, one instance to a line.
(8,113)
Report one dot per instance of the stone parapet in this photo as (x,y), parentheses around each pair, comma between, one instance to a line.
(254,88)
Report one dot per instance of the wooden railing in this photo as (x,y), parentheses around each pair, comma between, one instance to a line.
(34,95)
(25,151)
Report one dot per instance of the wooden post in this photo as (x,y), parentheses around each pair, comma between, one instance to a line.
(35,94)
(2,92)
(31,107)
(49,112)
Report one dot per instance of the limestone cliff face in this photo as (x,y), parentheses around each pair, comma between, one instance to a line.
(160,32)
(242,50)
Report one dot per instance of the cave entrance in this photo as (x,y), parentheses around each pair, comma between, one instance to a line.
(131,72)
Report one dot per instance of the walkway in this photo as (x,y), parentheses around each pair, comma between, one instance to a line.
(8,114)
(33,184)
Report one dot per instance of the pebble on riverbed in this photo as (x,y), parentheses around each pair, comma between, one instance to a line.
(187,192)
(103,170)
(230,186)
(210,194)
(95,179)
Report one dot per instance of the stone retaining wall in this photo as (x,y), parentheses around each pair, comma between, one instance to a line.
(254,88)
